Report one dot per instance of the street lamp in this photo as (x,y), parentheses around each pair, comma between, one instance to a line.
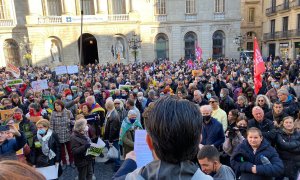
(134,44)
(27,46)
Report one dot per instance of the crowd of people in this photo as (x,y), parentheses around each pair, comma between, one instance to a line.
(203,119)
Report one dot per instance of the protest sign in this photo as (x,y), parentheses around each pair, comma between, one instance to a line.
(6,114)
(61,70)
(50,172)
(72,69)
(124,87)
(39,85)
(196,73)
(14,82)
(13,69)
(141,149)
(96,149)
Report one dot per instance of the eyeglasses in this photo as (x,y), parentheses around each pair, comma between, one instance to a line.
(212,102)
(261,100)
(117,103)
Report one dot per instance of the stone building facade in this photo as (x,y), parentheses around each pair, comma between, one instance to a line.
(281,28)
(50,30)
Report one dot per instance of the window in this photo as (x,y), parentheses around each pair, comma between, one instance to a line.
(219,6)
(272,30)
(190,7)
(117,6)
(298,23)
(251,15)
(4,12)
(162,46)
(160,7)
(218,44)
(54,7)
(286,4)
(273,5)
(189,45)
(88,7)
(285,24)
(12,52)
(249,46)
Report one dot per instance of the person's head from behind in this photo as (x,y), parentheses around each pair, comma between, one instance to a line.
(168,118)
(209,159)
(3,133)
(81,126)
(17,170)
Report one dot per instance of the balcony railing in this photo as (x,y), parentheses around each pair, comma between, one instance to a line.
(296,4)
(269,36)
(295,33)
(50,20)
(282,35)
(219,16)
(118,17)
(190,17)
(271,11)
(283,7)
(6,22)
(161,18)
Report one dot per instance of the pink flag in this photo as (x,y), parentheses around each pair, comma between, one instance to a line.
(198,51)
(259,67)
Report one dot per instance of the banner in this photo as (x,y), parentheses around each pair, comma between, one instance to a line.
(14,82)
(259,67)
(61,70)
(39,85)
(198,52)
(6,114)
(13,69)
(72,69)
(196,73)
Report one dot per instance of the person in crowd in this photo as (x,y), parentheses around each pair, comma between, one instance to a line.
(46,149)
(212,131)
(263,102)
(265,125)
(218,113)
(119,106)
(60,123)
(235,135)
(209,160)
(288,148)
(17,170)
(17,102)
(96,110)
(256,159)
(127,132)
(277,114)
(232,118)
(131,106)
(151,97)
(46,110)
(181,88)
(69,103)
(112,130)
(289,104)
(226,102)
(6,104)
(35,112)
(142,99)
(272,93)
(80,142)
(10,146)
(198,99)
(243,106)
(172,159)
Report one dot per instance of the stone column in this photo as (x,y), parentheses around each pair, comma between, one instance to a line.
(35,7)
(68,7)
(102,7)
(128,6)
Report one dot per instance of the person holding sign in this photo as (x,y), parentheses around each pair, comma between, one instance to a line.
(174,152)
(80,142)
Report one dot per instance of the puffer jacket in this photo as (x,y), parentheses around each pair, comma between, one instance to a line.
(243,159)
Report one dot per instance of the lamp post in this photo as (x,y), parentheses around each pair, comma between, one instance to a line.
(27,46)
(134,44)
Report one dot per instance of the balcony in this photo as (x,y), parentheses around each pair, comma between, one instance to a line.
(118,17)
(296,4)
(219,16)
(6,22)
(190,17)
(269,36)
(295,33)
(283,34)
(50,20)
(161,18)
(271,11)
(283,7)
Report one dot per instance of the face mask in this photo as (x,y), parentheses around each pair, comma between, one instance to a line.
(272,84)
(212,82)
(132,120)
(69,97)
(221,95)
(18,116)
(41,131)
(123,95)
(96,91)
(140,98)
(208,95)
(276,86)
(135,90)
(206,119)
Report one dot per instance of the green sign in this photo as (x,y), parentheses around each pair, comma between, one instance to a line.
(14,82)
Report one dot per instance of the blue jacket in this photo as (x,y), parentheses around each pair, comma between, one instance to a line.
(243,159)
(213,133)
(266,126)
(12,145)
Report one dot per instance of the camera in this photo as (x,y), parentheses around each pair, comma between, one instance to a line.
(232,131)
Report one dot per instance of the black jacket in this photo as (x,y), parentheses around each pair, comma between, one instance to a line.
(112,127)
(227,104)
(266,127)
(279,118)
(79,145)
(53,144)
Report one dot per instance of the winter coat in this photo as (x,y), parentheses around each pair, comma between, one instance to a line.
(79,146)
(53,144)
(213,133)
(243,159)
(270,115)
(288,148)
(60,124)
(227,104)
(266,127)
(112,127)
(12,145)
(29,130)
(291,107)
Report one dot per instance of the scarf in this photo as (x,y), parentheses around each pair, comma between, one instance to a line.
(44,142)
(126,125)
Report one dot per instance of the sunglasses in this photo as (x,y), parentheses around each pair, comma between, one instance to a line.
(212,101)
(261,101)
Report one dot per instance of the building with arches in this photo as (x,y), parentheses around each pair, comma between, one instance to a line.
(167,28)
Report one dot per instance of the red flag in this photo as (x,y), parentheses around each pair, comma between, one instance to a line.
(259,67)
(198,51)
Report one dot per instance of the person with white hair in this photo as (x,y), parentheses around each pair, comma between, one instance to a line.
(142,99)
(212,131)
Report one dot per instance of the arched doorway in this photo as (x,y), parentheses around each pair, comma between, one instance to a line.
(89,49)
(162,46)
(12,52)
(218,44)
(190,39)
